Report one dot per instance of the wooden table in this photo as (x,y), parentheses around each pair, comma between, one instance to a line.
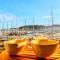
(27,54)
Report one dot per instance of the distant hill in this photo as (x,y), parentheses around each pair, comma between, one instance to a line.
(31,27)
(36,27)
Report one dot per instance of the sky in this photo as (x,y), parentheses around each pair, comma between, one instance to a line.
(14,13)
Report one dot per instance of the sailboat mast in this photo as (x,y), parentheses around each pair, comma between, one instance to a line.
(7,26)
(52,23)
(16,26)
(2,27)
(7,30)
(25,24)
(33,24)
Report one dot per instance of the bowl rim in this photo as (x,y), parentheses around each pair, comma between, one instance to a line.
(57,42)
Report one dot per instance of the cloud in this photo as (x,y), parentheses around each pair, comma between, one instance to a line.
(57,10)
(46,17)
(8,17)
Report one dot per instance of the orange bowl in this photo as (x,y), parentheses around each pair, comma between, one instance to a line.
(13,46)
(44,48)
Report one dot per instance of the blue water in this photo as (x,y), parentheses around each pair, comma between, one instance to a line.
(30,34)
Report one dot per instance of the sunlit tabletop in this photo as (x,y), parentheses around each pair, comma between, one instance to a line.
(27,54)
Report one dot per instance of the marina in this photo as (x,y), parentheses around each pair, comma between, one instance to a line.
(29,30)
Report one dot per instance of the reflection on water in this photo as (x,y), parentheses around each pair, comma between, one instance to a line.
(30,34)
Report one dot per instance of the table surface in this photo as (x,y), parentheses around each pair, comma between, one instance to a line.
(27,54)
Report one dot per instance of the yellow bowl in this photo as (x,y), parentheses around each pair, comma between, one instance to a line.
(13,47)
(44,48)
